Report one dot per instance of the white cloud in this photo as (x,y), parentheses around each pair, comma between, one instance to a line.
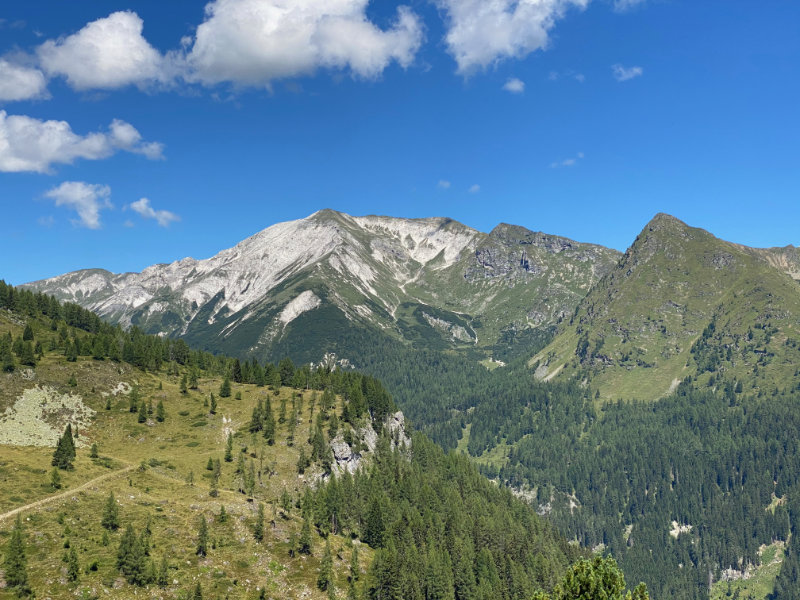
(253,42)
(482,32)
(31,145)
(443,184)
(46,221)
(623,5)
(569,74)
(514,85)
(567,162)
(474,189)
(625,73)
(86,199)
(107,53)
(18,82)
(162,217)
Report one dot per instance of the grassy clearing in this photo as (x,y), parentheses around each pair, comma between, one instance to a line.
(762,582)
(158,489)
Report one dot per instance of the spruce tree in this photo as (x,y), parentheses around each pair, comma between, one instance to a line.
(133,400)
(213,409)
(305,538)
(229,448)
(55,479)
(162,575)
(15,564)
(110,518)
(142,413)
(161,414)
(325,577)
(225,388)
(64,453)
(269,423)
(202,538)
(258,529)
(93,451)
(73,567)
(6,357)
(27,334)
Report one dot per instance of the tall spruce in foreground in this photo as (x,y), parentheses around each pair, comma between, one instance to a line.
(64,454)
(15,564)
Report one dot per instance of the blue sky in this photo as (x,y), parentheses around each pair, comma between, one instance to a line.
(132,134)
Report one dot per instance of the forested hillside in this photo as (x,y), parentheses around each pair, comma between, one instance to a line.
(156,469)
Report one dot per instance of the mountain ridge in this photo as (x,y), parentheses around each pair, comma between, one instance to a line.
(375,272)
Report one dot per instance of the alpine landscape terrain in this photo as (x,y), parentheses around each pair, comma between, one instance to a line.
(399,300)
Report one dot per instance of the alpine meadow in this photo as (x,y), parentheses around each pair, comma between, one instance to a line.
(436,300)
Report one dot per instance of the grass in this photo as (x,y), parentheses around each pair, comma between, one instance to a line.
(762,581)
(168,452)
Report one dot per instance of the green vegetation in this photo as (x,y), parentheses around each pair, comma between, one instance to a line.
(139,501)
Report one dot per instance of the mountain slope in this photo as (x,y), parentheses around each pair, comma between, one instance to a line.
(433,282)
(682,303)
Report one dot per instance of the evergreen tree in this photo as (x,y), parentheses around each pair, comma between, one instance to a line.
(133,399)
(269,423)
(55,479)
(142,418)
(64,453)
(15,564)
(355,567)
(6,357)
(258,529)
(184,386)
(229,448)
(193,378)
(223,515)
(27,356)
(160,412)
(27,334)
(73,567)
(304,542)
(325,577)
(162,575)
(210,464)
(225,388)
(110,519)
(213,409)
(93,451)
(202,538)
(198,592)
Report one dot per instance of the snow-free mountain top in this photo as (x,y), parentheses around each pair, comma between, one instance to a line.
(396,275)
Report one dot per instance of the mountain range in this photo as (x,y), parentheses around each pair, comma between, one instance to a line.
(430,282)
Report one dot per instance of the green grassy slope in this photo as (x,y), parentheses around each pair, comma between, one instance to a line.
(680,303)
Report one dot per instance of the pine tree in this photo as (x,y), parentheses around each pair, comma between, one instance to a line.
(223,515)
(160,412)
(73,567)
(325,577)
(213,409)
(184,387)
(55,479)
(93,451)
(305,538)
(355,568)
(110,518)
(229,448)
(142,412)
(210,464)
(15,564)
(193,378)
(6,357)
(198,592)
(64,453)
(269,423)
(162,575)
(202,538)
(27,333)
(27,356)
(258,529)
(225,388)
(133,399)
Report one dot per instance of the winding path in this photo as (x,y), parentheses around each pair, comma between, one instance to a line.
(66,494)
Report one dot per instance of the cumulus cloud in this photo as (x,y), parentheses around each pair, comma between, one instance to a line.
(443,184)
(474,189)
(514,85)
(107,53)
(162,217)
(87,199)
(567,162)
(253,42)
(18,82)
(625,73)
(481,33)
(31,145)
